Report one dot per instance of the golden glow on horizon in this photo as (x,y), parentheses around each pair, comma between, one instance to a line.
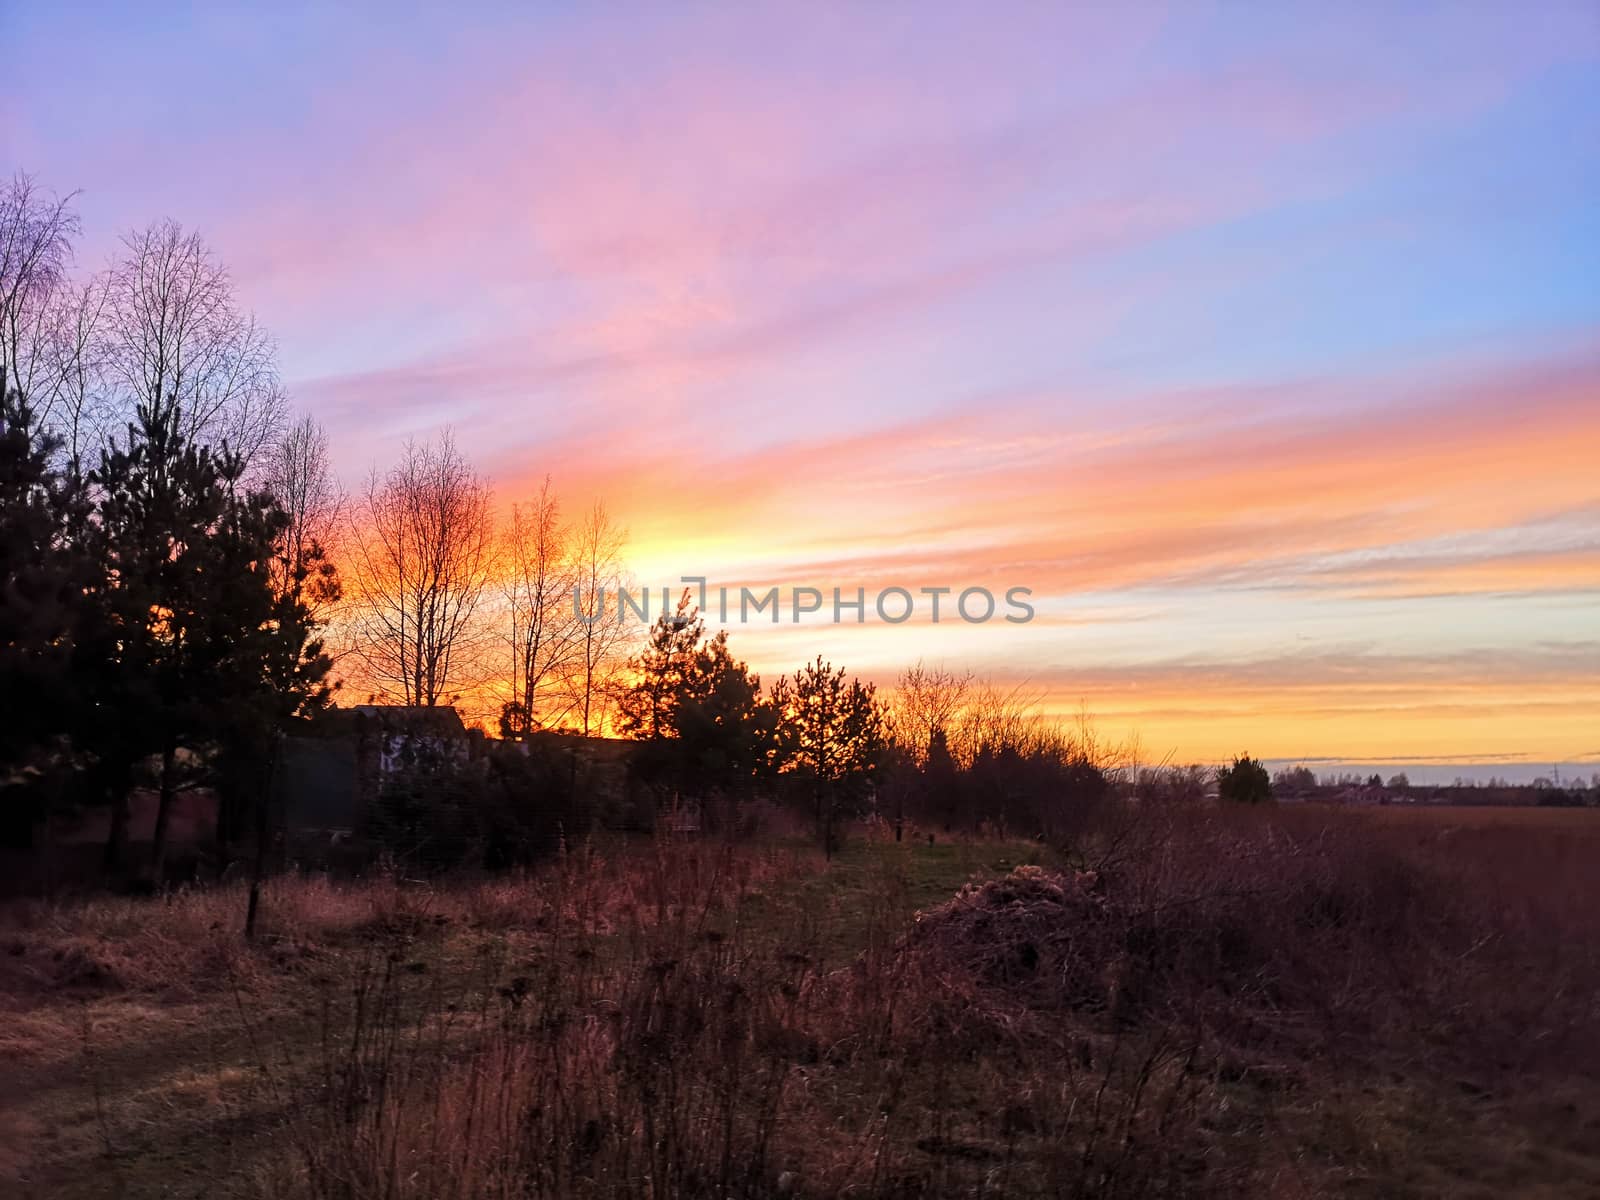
(1414,509)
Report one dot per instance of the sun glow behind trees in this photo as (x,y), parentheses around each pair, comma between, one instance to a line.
(1234,536)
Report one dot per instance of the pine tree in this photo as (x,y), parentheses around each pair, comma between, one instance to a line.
(727,732)
(41,587)
(834,733)
(196,649)
(1245,781)
(697,709)
(648,709)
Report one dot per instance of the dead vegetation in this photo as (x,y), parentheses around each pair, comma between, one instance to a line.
(1194,1004)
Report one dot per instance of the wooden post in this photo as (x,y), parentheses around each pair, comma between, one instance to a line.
(263,835)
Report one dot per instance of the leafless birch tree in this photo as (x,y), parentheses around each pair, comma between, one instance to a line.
(161,325)
(47,322)
(174,333)
(421,554)
(36,232)
(544,630)
(75,400)
(601,647)
(299,476)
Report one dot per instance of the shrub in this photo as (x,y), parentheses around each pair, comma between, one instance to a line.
(511,808)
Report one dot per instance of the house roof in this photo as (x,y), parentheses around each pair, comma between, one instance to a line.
(438,721)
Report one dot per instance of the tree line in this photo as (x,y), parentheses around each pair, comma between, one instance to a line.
(514,620)
(944,750)
(182,580)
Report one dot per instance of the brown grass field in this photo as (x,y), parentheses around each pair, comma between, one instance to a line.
(1298,1002)
(1581,821)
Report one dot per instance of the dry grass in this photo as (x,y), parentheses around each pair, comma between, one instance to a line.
(187,943)
(1301,1002)
(150,1042)
(703,1052)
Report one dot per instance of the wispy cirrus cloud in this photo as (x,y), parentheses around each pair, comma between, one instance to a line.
(1427,480)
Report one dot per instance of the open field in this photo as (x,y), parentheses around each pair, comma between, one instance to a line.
(1306,1003)
(1478,816)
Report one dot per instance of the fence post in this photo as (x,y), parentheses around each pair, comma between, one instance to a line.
(263,833)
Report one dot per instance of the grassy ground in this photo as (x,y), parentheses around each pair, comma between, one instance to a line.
(872,889)
(132,1080)
(151,1053)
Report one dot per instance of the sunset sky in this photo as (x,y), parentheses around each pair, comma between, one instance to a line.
(1258,340)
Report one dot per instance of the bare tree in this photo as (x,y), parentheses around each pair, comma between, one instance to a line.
(160,326)
(421,555)
(75,393)
(299,477)
(36,232)
(175,334)
(996,719)
(545,631)
(928,704)
(601,641)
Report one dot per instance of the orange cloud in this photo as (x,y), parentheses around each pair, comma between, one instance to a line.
(1241,497)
